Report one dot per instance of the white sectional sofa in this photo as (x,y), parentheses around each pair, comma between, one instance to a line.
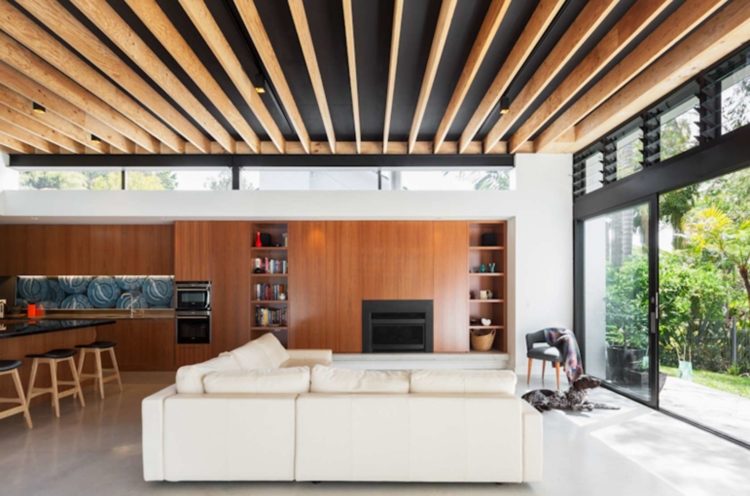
(262,413)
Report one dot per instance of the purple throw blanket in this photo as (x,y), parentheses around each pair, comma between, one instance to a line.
(565,341)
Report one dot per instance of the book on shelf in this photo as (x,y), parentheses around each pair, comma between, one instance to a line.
(266,291)
(270,265)
(268,317)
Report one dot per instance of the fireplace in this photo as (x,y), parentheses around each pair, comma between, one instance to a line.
(396,326)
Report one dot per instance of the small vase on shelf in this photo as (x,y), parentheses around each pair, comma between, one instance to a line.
(258,242)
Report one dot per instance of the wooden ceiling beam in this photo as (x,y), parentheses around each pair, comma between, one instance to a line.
(201,17)
(30,65)
(13,131)
(447,8)
(261,41)
(398,11)
(352,63)
(157,22)
(720,35)
(62,108)
(492,20)
(38,129)
(686,18)
(540,20)
(299,16)
(50,119)
(12,145)
(635,20)
(584,25)
(39,41)
(108,21)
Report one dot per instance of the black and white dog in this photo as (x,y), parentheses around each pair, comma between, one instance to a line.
(575,398)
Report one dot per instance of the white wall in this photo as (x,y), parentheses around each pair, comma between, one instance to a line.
(539,210)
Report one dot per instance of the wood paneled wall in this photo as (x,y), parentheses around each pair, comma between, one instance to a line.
(334,265)
(86,249)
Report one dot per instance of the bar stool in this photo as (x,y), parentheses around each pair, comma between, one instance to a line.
(96,348)
(53,358)
(10,367)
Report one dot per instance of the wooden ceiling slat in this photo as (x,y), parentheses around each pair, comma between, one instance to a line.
(29,64)
(592,15)
(25,106)
(254,25)
(206,25)
(433,61)
(727,31)
(365,147)
(62,108)
(16,132)
(108,21)
(666,35)
(38,129)
(492,20)
(352,63)
(398,11)
(299,16)
(637,18)
(154,18)
(13,145)
(46,47)
(540,20)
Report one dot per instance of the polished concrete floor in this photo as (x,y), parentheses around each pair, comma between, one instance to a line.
(631,451)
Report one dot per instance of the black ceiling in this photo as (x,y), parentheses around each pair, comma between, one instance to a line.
(372,26)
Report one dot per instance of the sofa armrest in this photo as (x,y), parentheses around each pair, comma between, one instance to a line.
(308,358)
(532,443)
(152,418)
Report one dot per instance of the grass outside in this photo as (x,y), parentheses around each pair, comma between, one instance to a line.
(723,382)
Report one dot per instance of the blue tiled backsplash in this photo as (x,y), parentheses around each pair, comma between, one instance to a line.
(82,292)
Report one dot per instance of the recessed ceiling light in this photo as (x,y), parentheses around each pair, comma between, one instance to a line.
(260,90)
(39,109)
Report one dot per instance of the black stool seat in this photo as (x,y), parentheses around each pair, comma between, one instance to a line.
(55,354)
(6,365)
(102,345)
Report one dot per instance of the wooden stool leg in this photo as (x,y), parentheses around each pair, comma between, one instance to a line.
(544,367)
(557,374)
(32,378)
(77,381)
(22,398)
(81,360)
(99,371)
(114,366)
(528,371)
(55,390)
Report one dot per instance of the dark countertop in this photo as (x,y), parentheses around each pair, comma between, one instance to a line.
(100,314)
(18,328)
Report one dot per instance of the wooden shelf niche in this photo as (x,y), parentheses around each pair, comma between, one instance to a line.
(488,287)
(269,290)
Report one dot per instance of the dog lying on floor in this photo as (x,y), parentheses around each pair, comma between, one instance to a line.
(575,398)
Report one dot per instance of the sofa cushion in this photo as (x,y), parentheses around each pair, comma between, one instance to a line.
(338,380)
(259,381)
(266,352)
(190,377)
(308,358)
(463,381)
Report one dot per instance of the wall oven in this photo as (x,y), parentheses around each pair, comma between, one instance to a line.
(193,312)
(193,295)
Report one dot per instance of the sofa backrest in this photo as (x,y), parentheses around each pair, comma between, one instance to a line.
(288,380)
(266,352)
(340,380)
(462,381)
(189,378)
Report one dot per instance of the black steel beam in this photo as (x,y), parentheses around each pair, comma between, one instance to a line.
(257,161)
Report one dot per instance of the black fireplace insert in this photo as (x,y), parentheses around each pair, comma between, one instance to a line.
(393,326)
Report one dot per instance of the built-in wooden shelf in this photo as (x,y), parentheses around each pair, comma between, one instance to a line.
(260,302)
(268,328)
(269,248)
(264,274)
(489,300)
(487,274)
(487,248)
(487,241)
(486,327)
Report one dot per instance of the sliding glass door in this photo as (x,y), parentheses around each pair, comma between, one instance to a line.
(617,306)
